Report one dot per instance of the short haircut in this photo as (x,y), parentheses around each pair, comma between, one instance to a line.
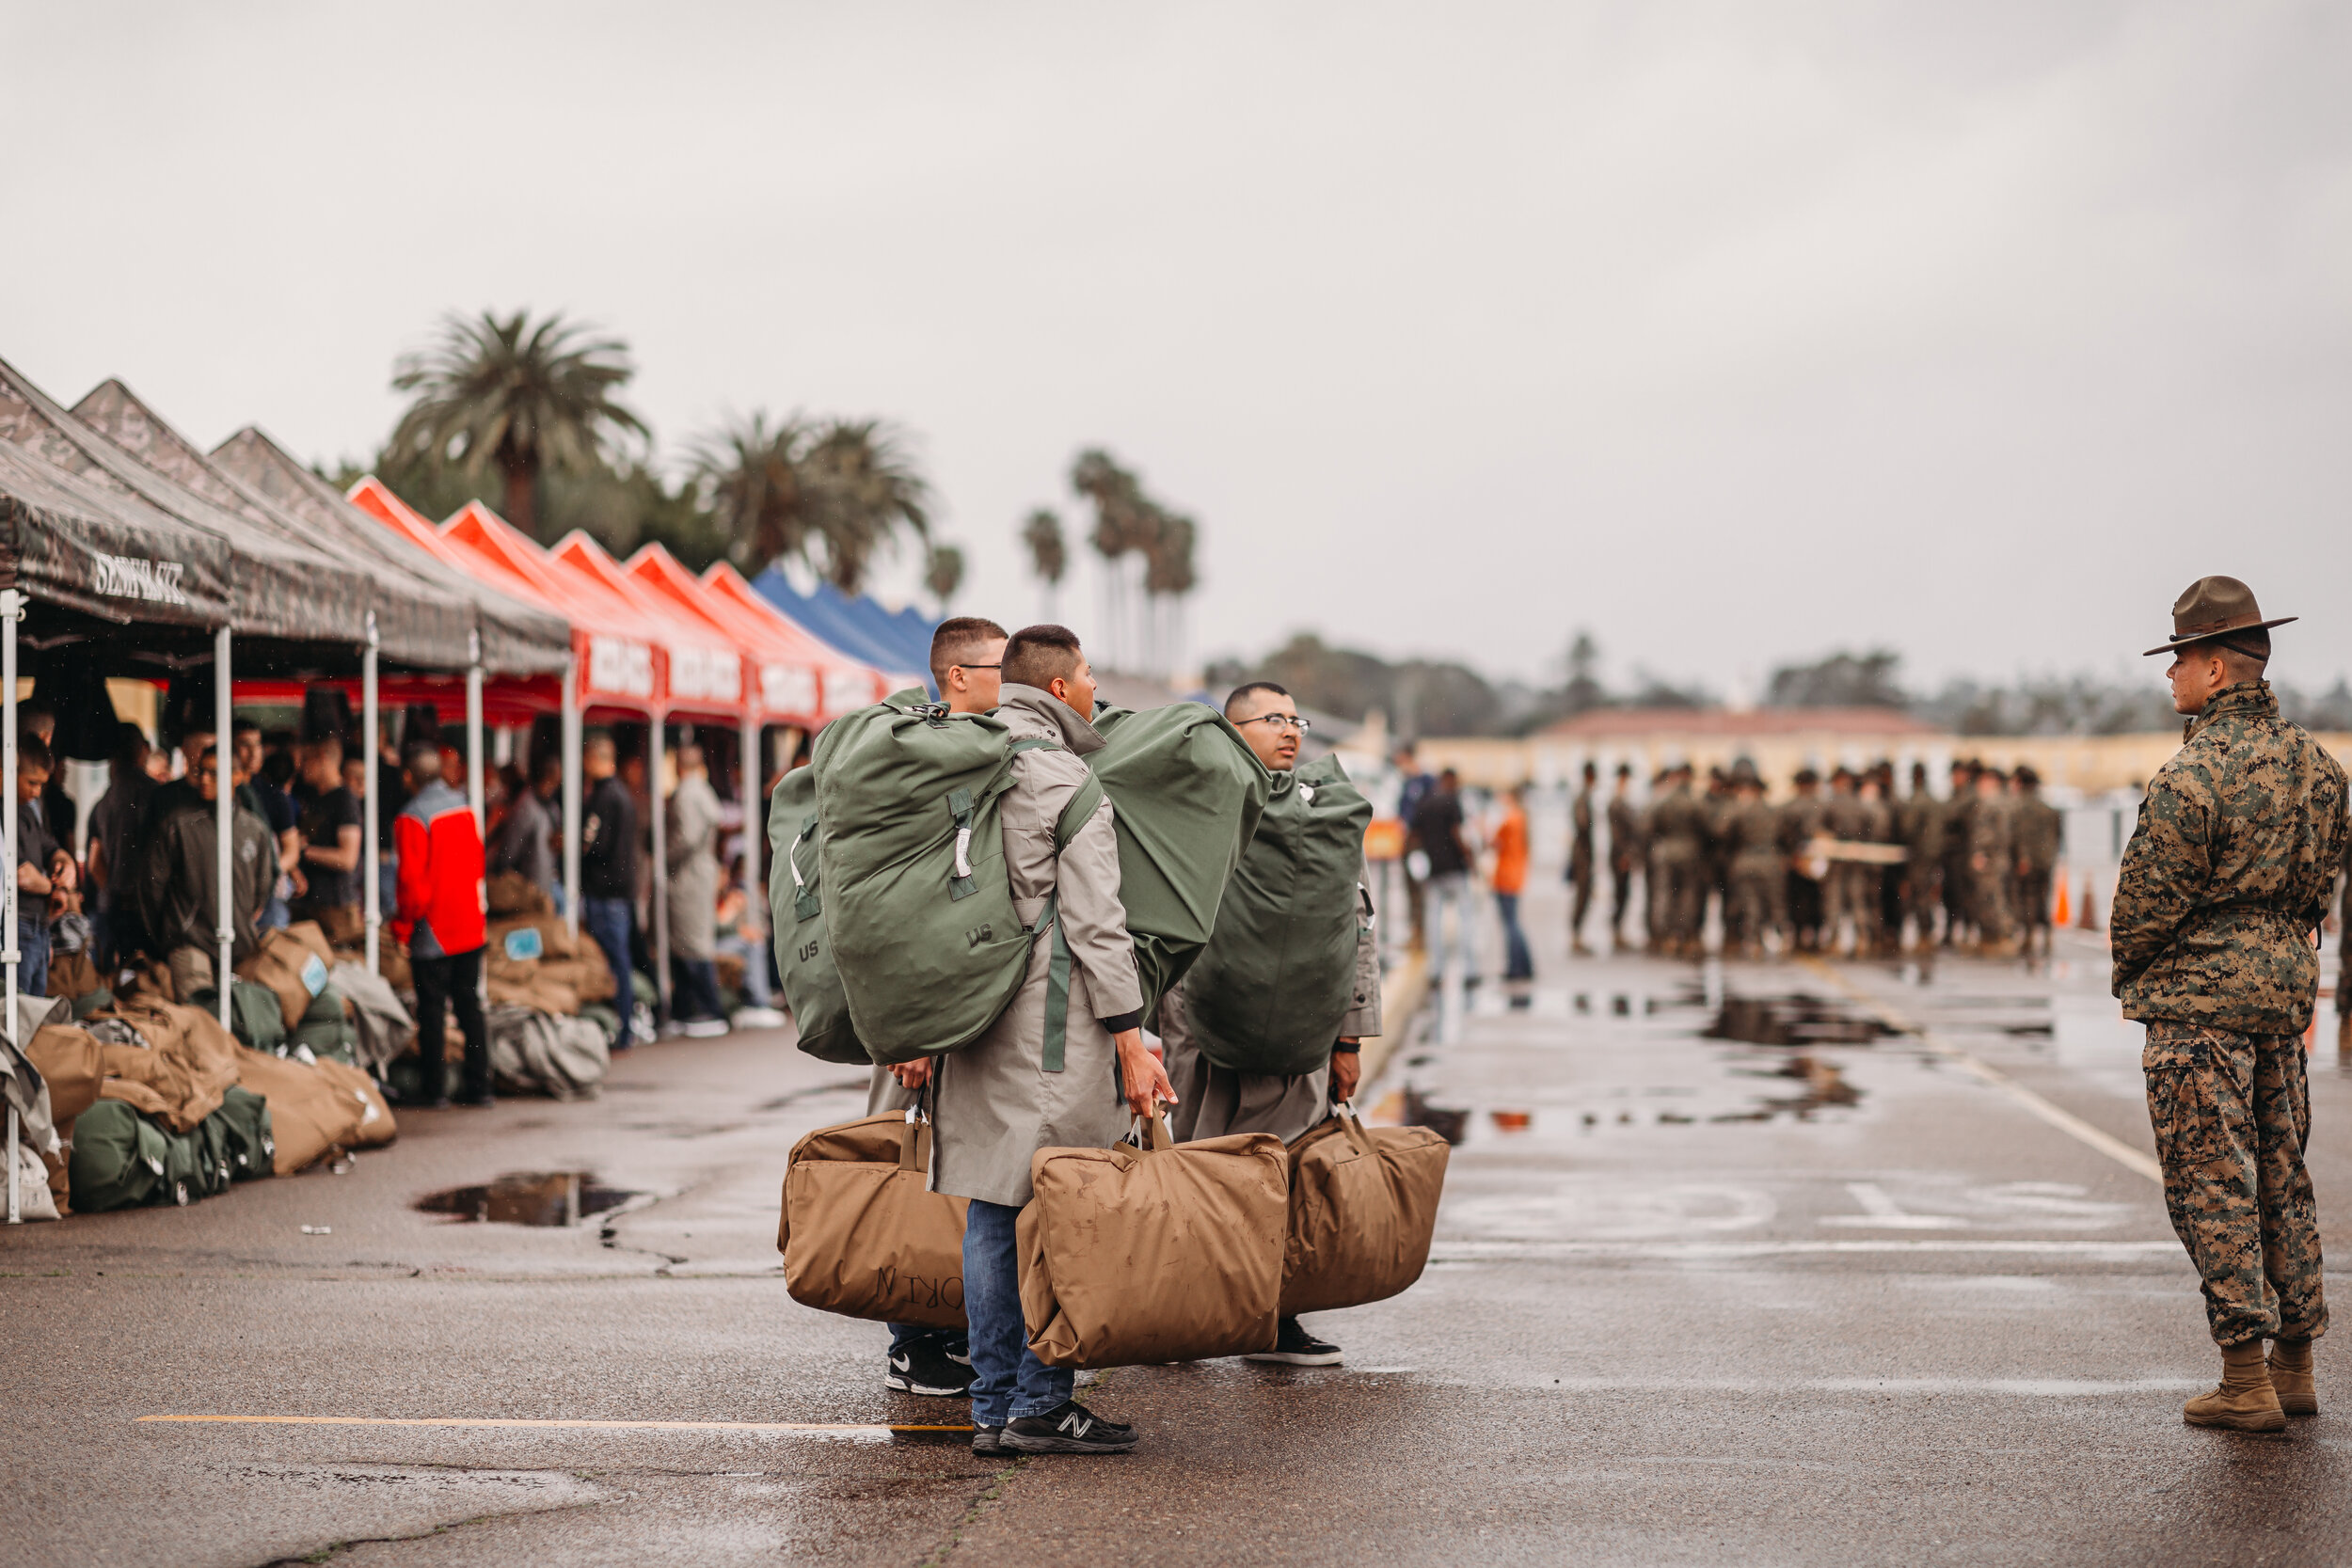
(953,642)
(33,752)
(327,744)
(1042,655)
(423,758)
(244,726)
(601,744)
(689,756)
(1232,698)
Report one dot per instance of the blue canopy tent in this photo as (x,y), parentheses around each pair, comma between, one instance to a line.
(833,619)
(909,629)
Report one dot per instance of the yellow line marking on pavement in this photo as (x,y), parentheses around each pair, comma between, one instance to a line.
(2065,1121)
(559,1425)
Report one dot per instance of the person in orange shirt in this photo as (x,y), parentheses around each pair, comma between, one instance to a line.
(1510,879)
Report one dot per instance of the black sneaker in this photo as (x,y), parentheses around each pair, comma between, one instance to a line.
(988,1442)
(958,1350)
(1295,1347)
(1068,1428)
(925,1368)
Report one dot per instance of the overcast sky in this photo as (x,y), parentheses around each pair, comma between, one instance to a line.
(1734,332)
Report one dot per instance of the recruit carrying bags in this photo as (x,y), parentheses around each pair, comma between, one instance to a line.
(1186,792)
(859,1235)
(1363,1202)
(1171,1252)
(912,892)
(1278,978)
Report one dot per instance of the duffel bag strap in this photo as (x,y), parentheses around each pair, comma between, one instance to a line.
(804,905)
(1077,812)
(1150,1133)
(1057,999)
(1353,1126)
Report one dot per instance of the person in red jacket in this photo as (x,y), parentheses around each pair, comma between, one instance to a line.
(438,912)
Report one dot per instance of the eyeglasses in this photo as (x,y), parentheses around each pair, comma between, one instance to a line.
(976,667)
(1281,721)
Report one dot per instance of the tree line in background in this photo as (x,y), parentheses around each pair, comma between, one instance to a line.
(1425,697)
(525,416)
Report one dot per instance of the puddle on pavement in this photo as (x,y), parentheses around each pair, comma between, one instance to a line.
(1824,1086)
(1795,1019)
(543,1197)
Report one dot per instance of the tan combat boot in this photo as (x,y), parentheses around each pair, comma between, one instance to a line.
(2245,1402)
(2291,1376)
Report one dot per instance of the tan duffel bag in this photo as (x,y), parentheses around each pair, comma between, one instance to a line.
(1167,1253)
(294,964)
(860,1235)
(1363,1202)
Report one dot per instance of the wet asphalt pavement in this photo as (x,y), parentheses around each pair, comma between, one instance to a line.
(1693,1300)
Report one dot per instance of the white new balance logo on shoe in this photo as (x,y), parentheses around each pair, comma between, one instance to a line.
(1075,1424)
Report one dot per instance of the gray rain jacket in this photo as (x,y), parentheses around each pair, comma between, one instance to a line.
(996,1105)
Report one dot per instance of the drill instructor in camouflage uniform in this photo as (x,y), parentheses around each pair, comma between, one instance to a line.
(2222,890)
(1581,860)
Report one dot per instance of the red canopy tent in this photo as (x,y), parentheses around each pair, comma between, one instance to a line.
(847,684)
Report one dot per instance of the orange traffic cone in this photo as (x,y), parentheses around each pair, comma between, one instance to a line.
(2064,913)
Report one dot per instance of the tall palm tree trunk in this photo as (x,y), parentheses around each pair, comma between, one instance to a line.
(522,496)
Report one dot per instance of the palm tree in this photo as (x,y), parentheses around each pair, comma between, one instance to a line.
(1124,520)
(517,395)
(861,485)
(1049,556)
(1168,575)
(750,476)
(943,574)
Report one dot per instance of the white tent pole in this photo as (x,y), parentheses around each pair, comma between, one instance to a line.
(372,870)
(568,743)
(754,812)
(224,815)
(661,868)
(11,604)
(474,796)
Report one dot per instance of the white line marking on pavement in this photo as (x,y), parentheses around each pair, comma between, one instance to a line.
(2065,1121)
(1480,1252)
(875,1429)
(1881,1213)
(2040,1387)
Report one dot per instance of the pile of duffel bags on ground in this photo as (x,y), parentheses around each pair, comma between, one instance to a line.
(897,939)
(144,1098)
(550,1029)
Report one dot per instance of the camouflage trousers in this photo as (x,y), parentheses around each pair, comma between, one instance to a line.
(2232,1112)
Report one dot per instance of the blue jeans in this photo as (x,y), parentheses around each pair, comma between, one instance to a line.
(1518,965)
(1007,1379)
(608,921)
(32,976)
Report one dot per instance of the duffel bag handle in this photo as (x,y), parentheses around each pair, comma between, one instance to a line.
(914,1141)
(1156,1139)
(1353,1125)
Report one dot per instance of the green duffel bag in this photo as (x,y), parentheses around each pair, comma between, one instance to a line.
(118,1160)
(813,993)
(1186,792)
(188,1173)
(1278,976)
(326,1006)
(912,888)
(255,1017)
(215,1157)
(329,1038)
(243,1121)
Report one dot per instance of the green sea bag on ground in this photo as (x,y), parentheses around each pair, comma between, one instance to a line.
(1278,976)
(117,1159)
(1186,792)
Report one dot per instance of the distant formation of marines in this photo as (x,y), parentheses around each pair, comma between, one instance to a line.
(1861,868)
